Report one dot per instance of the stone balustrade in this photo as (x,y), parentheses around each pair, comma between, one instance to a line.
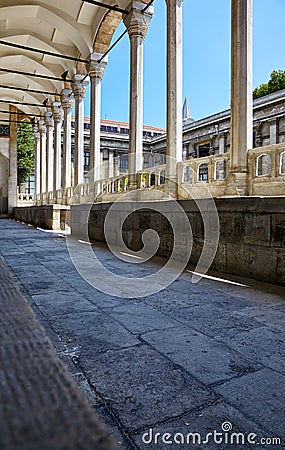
(196,177)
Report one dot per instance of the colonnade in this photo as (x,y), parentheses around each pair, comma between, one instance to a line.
(52,174)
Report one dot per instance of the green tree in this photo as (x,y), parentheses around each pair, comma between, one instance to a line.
(276,82)
(25,151)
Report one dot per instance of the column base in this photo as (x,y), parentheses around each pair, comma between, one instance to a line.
(171,187)
(237,184)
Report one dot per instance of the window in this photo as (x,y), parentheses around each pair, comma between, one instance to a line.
(123,162)
(263,165)
(114,129)
(162,177)
(220,173)
(30,185)
(103,128)
(187,174)
(204,150)
(152,179)
(203,172)
(86,159)
(124,131)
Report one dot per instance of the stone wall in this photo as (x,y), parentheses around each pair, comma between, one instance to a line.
(252,233)
(51,217)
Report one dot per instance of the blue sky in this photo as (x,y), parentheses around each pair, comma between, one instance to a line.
(206,59)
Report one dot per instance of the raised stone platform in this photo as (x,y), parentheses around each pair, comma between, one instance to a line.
(251,235)
(51,217)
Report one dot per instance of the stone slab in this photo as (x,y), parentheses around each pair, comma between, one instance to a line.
(203,357)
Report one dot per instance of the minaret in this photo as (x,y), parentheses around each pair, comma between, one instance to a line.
(186,115)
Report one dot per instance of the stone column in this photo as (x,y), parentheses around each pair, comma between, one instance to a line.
(241,93)
(67,104)
(79,88)
(137,24)
(273,131)
(43,145)
(50,151)
(96,71)
(174,92)
(12,180)
(37,151)
(57,114)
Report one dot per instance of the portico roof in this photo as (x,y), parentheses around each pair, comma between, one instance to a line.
(72,28)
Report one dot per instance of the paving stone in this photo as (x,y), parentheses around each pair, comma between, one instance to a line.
(214,321)
(205,358)
(201,423)
(260,396)
(264,344)
(92,332)
(142,387)
(266,314)
(225,333)
(40,405)
(58,304)
(139,318)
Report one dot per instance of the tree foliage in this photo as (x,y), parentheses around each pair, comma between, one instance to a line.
(276,82)
(25,151)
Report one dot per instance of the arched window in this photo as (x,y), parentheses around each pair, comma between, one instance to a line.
(220,172)
(203,173)
(162,177)
(143,180)
(263,165)
(187,174)
(282,162)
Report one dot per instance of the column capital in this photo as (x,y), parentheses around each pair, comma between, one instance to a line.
(136,21)
(49,119)
(36,132)
(67,99)
(79,87)
(95,68)
(178,2)
(42,126)
(57,112)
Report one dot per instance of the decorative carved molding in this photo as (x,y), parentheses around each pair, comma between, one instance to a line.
(136,22)
(96,69)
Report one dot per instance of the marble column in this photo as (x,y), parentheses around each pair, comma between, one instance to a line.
(12,180)
(96,72)
(37,151)
(241,92)
(57,113)
(49,151)
(43,150)
(174,92)
(67,102)
(79,88)
(137,24)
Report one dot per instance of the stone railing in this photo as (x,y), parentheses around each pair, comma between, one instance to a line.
(152,177)
(25,199)
(200,177)
(196,177)
(266,170)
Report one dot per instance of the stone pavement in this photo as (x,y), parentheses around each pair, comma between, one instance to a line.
(185,360)
(40,405)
